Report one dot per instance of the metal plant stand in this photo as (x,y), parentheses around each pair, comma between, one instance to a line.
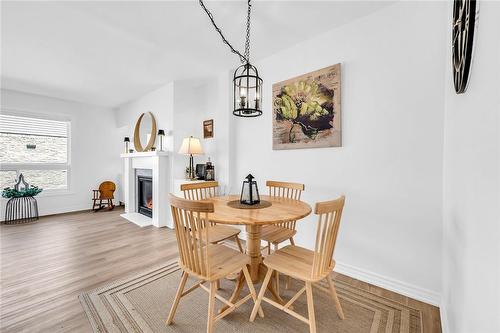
(21,210)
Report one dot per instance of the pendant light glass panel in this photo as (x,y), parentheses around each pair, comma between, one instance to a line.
(247,92)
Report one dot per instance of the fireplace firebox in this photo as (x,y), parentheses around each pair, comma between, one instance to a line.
(145,193)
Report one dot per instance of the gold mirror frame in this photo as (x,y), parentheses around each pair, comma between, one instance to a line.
(137,139)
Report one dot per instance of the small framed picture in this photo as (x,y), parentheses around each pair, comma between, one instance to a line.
(208,129)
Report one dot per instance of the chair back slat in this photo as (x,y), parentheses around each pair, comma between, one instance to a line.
(200,191)
(329,213)
(285,190)
(190,220)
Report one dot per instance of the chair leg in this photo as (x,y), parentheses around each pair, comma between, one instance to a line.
(177,298)
(211,307)
(277,274)
(268,248)
(239,244)
(261,294)
(217,284)
(251,288)
(288,279)
(338,307)
(310,308)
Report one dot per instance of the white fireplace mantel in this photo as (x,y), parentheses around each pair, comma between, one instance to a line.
(158,163)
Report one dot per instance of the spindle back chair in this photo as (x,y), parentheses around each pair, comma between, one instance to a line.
(285,190)
(306,265)
(281,232)
(190,221)
(200,191)
(204,261)
(207,190)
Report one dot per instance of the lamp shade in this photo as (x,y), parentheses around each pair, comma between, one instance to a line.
(126,139)
(161,132)
(191,146)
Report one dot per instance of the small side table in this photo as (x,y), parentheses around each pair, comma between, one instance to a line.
(21,210)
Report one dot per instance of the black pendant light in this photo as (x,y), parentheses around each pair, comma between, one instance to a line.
(247,84)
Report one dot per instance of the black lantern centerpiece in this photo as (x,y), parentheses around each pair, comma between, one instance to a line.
(249,191)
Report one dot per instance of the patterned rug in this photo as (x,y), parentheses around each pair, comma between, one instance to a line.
(140,303)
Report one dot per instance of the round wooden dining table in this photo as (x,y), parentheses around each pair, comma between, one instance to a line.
(253,218)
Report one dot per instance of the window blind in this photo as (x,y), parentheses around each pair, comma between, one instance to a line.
(33,126)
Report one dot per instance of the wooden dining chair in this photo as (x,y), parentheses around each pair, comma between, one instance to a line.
(103,196)
(306,265)
(205,261)
(281,232)
(217,232)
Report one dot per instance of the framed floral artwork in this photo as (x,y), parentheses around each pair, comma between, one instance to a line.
(306,110)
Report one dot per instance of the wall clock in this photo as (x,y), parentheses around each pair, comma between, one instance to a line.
(463,31)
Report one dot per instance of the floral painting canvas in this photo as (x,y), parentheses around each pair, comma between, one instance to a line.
(306,110)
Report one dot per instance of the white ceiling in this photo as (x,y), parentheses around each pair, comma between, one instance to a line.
(107,53)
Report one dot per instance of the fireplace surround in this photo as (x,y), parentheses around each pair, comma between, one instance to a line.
(147,173)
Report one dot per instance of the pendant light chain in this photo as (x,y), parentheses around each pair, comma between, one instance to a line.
(247,42)
(247,84)
(243,58)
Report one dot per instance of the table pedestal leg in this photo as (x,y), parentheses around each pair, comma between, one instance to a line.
(253,250)
(257,269)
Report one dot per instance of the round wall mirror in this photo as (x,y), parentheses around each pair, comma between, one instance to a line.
(145,132)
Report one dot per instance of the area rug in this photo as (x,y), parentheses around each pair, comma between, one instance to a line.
(141,302)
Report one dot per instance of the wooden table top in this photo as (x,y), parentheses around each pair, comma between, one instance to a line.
(281,210)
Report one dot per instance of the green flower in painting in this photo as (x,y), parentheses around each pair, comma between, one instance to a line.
(306,104)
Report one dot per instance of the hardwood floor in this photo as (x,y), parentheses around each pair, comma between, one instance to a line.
(46,265)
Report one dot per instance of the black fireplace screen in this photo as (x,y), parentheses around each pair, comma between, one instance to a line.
(145,195)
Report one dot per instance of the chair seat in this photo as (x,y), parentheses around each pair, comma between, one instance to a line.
(294,261)
(275,234)
(218,233)
(223,262)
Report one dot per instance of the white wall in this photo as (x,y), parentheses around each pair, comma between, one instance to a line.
(180,108)
(390,165)
(160,102)
(471,251)
(93,147)
(194,102)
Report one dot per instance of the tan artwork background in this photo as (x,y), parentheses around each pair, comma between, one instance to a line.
(306,110)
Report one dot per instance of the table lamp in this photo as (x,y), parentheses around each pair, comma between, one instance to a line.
(191,146)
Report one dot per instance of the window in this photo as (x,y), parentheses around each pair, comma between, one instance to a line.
(37,148)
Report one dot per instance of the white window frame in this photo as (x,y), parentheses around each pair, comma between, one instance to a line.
(17,167)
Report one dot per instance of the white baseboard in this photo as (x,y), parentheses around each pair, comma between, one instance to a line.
(400,287)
